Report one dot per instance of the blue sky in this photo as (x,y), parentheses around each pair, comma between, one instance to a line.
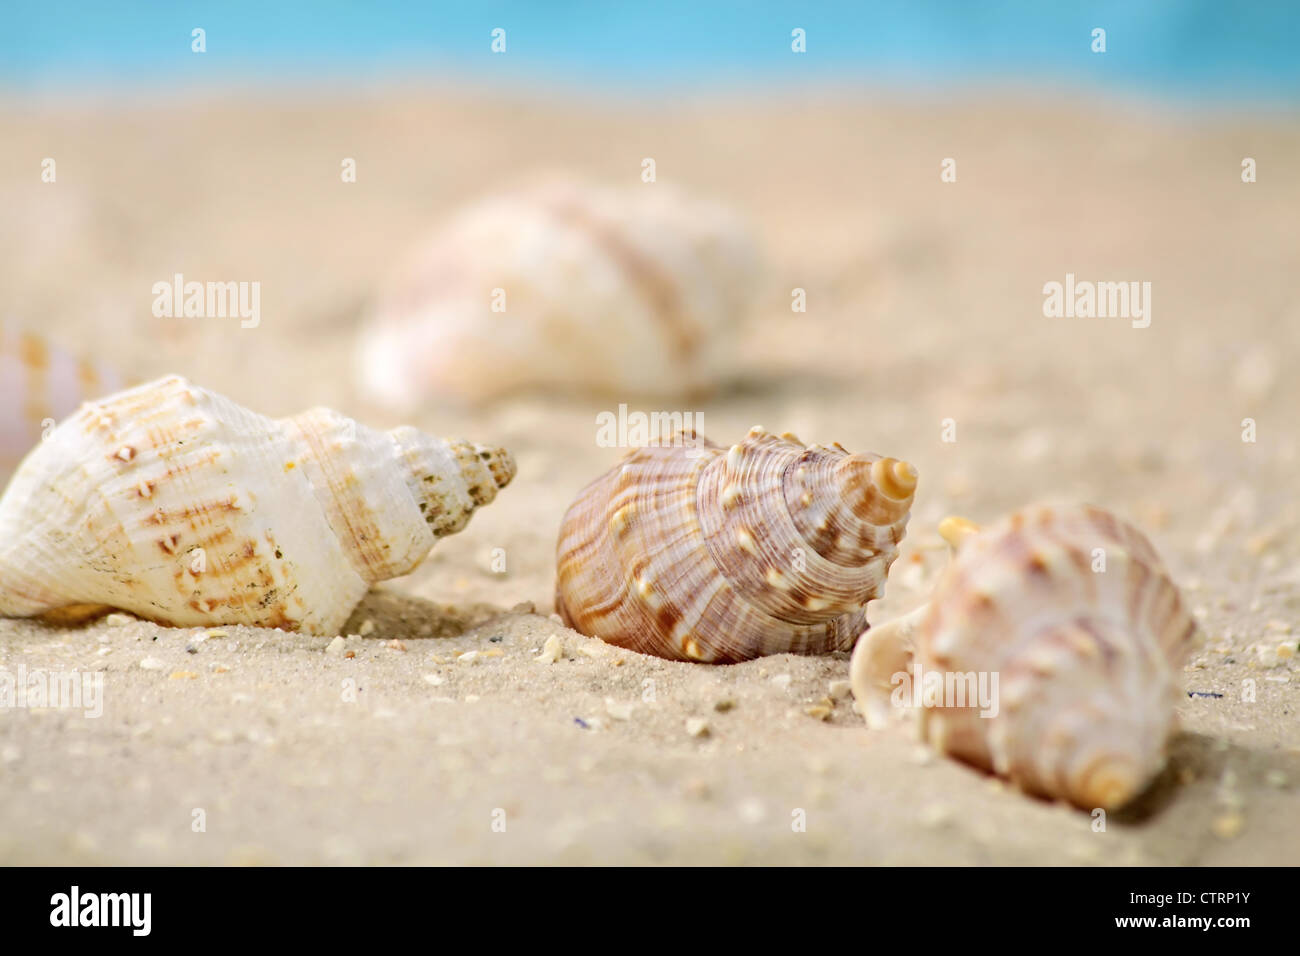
(1201,49)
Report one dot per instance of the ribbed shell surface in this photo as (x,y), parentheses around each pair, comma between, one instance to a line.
(1073,610)
(696,552)
(180,505)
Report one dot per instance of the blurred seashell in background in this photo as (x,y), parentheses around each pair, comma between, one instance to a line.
(564,286)
(1073,612)
(41,383)
(695,552)
(175,503)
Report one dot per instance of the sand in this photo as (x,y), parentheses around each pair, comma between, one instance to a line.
(924,304)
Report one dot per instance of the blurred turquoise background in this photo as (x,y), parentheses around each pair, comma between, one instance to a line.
(1212,51)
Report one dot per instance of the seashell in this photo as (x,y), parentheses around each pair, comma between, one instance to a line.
(568,287)
(175,503)
(1072,611)
(40,384)
(694,552)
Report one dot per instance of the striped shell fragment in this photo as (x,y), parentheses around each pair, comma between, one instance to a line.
(1072,610)
(41,383)
(177,504)
(564,286)
(695,552)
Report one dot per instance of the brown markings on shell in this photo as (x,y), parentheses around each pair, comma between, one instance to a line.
(35,357)
(133,531)
(238,576)
(689,552)
(1068,683)
(346,510)
(656,284)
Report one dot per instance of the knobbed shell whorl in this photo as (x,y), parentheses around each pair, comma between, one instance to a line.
(1073,611)
(700,553)
(179,505)
(565,286)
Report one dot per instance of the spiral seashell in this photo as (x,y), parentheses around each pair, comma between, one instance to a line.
(1072,611)
(694,552)
(563,286)
(40,384)
(175,503)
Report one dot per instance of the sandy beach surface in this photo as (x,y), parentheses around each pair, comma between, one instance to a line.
(925,304)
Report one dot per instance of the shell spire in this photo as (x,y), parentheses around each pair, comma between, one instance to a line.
(702,553)
(175,503)
(1067,613)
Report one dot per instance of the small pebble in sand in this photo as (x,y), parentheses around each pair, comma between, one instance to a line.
(214,634)
(396,645)
(1286,651)
(818,764)
(524,607)
(117,619)
(782,681)
(434,679)
(724,705)
(1084,850)
(552,650)
(183,675)
(840,689)
(1228,825)
(367,628)
(104,650)
(696,789)
(152,664)
(819,711)
(697,726)
(1257,544)
(752,811)
(592,649)
(469,657)
(1265,656)
(336,647)
(934,815)
(349,655)
(619,710)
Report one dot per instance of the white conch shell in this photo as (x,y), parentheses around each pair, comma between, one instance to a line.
(695,552)
(175,503)
(564,286)
(1074,613)
(40,385)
